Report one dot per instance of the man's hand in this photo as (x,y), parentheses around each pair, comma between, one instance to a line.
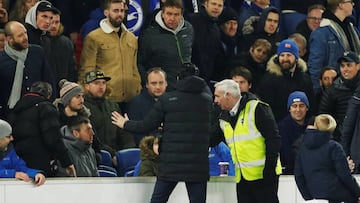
(73,36)
(351,164)
(70,170)
(22,176)
(39,179)
(118,119)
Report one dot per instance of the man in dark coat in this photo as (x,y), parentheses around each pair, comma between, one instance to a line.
(183,151)
(140,105)
(21,65)
(36,131)
(111,137)
(335,99)
(37,22)
(350,137)
(207,45)
(166,43)
(263,27)
(286,73)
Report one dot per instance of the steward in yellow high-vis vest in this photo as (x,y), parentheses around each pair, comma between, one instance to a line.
(249,128)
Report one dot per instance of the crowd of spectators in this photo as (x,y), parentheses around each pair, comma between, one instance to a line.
(73,63)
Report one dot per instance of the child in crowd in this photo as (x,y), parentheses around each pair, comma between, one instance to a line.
(149,147)
(11,165)
(321,168)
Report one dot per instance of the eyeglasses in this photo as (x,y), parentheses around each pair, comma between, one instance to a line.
(314,19)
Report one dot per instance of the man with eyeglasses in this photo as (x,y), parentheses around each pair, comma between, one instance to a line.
(312,21)
(335,36)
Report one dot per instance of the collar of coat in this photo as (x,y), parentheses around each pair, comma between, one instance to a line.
(107,28)
(275,68)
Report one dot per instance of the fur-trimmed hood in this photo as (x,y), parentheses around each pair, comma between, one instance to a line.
(275,68)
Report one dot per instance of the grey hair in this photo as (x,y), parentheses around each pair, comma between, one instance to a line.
(229,86)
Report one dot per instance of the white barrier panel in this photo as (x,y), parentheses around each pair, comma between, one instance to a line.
(125,190)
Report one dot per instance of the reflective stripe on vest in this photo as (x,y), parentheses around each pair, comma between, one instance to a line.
(247,145)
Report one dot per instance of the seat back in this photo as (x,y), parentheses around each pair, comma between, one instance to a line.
(126,160)
(106,173)
(137,168)
(106,158)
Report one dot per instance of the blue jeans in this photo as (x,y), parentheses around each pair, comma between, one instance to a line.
(196,191)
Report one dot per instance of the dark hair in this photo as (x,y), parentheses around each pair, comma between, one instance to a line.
(324,69)
(173,3)
(242,71)
(42,88)
(75,122)
(155,70)
(188,69)
(108,2)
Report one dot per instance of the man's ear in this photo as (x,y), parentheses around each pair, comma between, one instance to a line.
(106,13)
(75,133)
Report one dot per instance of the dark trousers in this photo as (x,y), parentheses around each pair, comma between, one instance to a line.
(257,191)
(196,191)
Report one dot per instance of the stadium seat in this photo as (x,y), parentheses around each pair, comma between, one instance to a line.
(137,168)
(106,173)
(106,158)
(126,161)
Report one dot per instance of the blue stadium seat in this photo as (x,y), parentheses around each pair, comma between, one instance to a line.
(106,158)
(137,168)
(126,161)
(106,173)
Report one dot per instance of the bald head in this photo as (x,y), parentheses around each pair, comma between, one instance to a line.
(16,35)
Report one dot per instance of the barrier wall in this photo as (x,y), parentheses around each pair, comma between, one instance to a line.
(124,190)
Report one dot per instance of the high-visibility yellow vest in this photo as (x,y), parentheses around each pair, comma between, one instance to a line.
(247,145)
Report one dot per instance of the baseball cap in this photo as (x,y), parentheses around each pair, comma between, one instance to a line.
(349,56)
(47,6)
(95,75)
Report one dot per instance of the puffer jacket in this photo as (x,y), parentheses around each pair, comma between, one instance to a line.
(162,47)
(335,100)
(185,114)
(36,132)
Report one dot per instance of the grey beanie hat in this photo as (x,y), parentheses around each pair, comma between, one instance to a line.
(5,129)
(68,90)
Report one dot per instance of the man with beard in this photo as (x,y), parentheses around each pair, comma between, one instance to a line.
(21,64)
(140,106)
(111,137)
(63,60)
(113,49)
(286,73)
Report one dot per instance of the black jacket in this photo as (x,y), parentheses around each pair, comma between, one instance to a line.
(36,131)
(335,100)
(350,138)
(207,45)
(185,114)
(162,47)
(321,169)
(253,29)
(277,84)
